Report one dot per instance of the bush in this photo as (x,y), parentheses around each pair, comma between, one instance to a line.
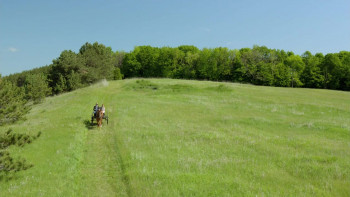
(117,75)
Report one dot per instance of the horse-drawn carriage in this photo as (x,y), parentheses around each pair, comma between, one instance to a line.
(98,115)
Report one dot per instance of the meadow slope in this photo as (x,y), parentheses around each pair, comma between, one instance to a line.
(187,138)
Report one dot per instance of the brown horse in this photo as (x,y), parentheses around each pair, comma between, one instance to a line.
(99,117)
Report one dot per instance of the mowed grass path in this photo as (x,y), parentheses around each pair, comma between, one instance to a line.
(187,138)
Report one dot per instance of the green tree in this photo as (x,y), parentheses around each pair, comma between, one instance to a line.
(63,67)
(19,79)
(237,67)
(206,67)
(188,48)
(118,58)
(61,85)
(296,66)
(73,81)
(247,67)
(98,61)
(336,69)
(311,76)
(345,78)
(9,165)
(148,57)
(37,87)
(191,63)
(117,74)
(282,75)
(265,74)
(12,102)
(331,66)
(187,57)
(177,67)
(131,67)
(166,61)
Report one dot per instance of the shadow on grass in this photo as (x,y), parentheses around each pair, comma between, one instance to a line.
(88,124)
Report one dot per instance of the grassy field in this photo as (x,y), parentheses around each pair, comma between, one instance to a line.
(187,138)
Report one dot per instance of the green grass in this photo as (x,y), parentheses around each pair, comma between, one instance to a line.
(187,138)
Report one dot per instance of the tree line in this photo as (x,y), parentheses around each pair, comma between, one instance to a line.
(258,65)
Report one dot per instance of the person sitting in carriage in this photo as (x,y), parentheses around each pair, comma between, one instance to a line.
(95,109)
(103,109)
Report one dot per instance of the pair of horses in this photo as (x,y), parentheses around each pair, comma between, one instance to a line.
(99,116)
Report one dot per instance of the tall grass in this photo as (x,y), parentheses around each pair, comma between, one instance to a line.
(188,138)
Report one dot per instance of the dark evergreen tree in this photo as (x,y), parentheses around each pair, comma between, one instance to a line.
(12,102)
(9,165)
(61,85)
(61,71)
(73,81)
(37,87)
(98,62)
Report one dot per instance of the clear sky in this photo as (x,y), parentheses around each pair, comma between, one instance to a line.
(34,32)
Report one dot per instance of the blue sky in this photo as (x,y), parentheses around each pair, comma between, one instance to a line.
(33,33)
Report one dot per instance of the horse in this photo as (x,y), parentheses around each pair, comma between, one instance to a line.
(99,117)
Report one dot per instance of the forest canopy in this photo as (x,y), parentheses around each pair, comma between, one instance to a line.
(258,65)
